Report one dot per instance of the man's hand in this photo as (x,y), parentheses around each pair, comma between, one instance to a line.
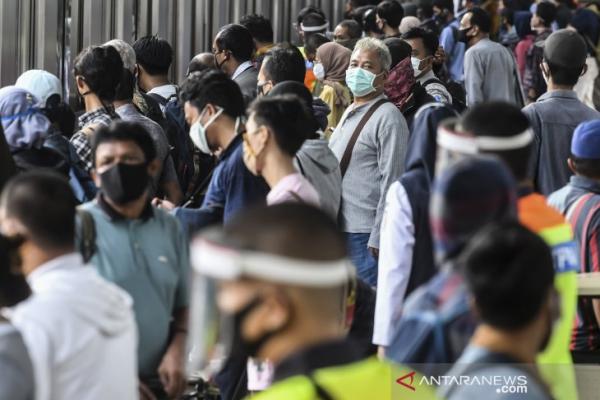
(440,56)
(164,204)
(171,370)
(145,393)
(374,252)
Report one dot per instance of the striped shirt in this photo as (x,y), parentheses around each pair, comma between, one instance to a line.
(580,201)
(377,161)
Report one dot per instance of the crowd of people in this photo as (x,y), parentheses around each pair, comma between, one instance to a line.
(411,193)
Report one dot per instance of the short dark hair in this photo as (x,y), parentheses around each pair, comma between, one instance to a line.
(391,11)
(509,15)
(501,119)
(196,65)
(481,18)
(125,131)
(259,26)
(236,39)
(13,286)
(361,3)
(284,63)
(509,271)
(353,27)
(314,19)
(369,20)
(43,202)
(567,76)
(546,11)
(309,10)
(126,86)
(101,68)
(287,117)
(588,167)
(313,42)
(214,87)
(290,229)
(153,54)
(430,40)
(398,48)
(444,5)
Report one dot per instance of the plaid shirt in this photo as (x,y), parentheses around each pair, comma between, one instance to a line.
(81,141)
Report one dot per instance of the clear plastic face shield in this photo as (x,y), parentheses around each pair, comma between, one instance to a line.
(455,144)
(223,291)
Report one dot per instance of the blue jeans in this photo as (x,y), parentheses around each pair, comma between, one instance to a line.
(366,264)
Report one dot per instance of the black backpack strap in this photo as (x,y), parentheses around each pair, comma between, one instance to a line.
(158,98)
(322,394)
(86,234)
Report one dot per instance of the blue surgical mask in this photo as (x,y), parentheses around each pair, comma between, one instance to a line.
(360,81)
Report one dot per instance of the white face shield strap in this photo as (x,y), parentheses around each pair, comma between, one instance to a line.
(314,28)
(223,263)
(468,144)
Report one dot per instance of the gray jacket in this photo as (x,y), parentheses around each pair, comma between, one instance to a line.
(553,118)
(247,81)
(16,372)
(318,164)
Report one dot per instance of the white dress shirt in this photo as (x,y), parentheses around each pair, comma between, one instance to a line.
(241,68)
(80,332)
(395,261)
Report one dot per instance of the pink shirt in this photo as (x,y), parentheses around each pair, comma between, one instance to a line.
(293,188)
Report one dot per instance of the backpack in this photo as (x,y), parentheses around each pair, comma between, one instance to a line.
(176,129)
(457,92)
(424,337)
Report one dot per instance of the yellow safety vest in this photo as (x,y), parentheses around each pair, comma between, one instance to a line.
(370,379)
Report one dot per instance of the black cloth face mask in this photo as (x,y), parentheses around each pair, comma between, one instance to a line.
(123,183)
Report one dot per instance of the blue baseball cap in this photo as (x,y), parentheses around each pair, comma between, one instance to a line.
(586,140)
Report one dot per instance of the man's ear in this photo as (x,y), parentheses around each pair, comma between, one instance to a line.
(154,167)
(81,84)
(585,68)
(95,177)
(571,165)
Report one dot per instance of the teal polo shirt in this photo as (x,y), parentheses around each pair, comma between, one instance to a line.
(148,257)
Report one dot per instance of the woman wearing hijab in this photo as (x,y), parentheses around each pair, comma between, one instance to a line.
(401,86)
(330,67)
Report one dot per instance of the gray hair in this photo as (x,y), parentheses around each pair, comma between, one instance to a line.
(376,46)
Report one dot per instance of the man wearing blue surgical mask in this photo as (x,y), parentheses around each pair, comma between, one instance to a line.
(370,143)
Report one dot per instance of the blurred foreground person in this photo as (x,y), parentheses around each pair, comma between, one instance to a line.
(16,381)
(79,328)
(509,273)
(278,277)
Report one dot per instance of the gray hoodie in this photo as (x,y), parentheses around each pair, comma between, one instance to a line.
(318,164)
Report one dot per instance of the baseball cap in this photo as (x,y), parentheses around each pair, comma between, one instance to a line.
(565,48)
(42,84)
(586,140)
(126,52)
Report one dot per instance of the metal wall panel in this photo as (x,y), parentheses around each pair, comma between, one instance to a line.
(49,34)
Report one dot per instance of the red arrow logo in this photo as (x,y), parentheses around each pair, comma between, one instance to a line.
(408,385)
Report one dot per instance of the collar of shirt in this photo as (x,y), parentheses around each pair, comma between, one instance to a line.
(241,68)
(428,76)
(565,94)
(114,215)
(231,148)
(354,108)
(323,355)
(67,261)
(585,183)
(127,109)
(164,91)
(283,185)
(106,112)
